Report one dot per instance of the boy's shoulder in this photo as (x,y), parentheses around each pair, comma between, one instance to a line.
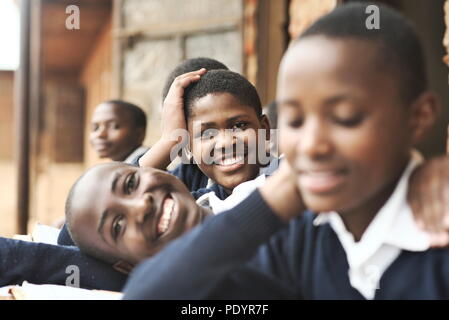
(191,175)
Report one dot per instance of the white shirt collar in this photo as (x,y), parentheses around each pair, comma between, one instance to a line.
(243,190)
(393,229)
(137,152)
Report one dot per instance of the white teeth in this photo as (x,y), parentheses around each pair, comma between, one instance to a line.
(167,210)
(230,161)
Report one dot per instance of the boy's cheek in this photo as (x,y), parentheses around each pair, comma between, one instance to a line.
(287,143)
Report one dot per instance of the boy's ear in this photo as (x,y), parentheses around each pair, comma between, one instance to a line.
(123,266)
(265,125)
(141,132)
(424,112)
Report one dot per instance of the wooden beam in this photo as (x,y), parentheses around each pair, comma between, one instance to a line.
(23,100)
(117,51)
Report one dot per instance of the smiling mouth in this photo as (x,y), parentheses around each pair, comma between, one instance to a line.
(230,163)
(101,146)
(166,217)
(322,181)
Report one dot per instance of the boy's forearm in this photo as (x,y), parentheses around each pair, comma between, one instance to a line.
(158,156)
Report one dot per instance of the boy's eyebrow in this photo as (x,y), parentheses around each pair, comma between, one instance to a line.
(116,177)
(105,213)
(232,119)
(103,218)
(336,99)
(207,124)
(288,102)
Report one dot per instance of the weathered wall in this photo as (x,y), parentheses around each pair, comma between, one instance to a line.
(96,78)
(158,34)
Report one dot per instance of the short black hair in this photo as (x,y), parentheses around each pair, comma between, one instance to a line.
(222,81)
(138,115)
(190,65)
(399,47)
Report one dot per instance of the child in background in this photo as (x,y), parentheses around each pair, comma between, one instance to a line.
(117,130)
(352,103)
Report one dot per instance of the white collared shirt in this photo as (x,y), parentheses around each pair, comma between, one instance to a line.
(240,192)
(393,229)
(137,152)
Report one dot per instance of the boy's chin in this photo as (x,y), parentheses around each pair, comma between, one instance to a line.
(237,178)
(321,205)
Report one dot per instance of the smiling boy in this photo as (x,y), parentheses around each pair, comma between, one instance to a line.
(221,113)
(352,104)
(139,211)
(224,121)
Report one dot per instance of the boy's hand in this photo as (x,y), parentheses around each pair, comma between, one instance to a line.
(173,107)
(281,193)
(428,197)
(172,119)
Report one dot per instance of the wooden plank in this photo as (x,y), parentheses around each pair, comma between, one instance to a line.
(23,165)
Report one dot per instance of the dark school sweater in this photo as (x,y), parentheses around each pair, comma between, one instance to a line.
(41,263)
(248,253)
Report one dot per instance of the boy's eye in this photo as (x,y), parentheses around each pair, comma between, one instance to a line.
(208,134)
(296,123)
(117,226)
(114,125)
(94,127)
(240,126)
(349,121)
(130,183)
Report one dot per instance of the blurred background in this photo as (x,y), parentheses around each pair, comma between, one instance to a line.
(52,77)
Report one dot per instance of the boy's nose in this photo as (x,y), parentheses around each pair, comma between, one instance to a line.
(314,142)
(143,207)
(224,139)
(102,132)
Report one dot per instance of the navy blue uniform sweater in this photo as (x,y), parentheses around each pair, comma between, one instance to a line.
(41,263)
(248,253)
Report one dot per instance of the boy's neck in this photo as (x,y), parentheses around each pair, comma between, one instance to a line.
(358,219)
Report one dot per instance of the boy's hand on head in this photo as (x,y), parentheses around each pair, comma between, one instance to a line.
(172,119)
(173,107)
(282,194)
(428,197)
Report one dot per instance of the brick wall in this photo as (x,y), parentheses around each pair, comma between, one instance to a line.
(446,57)
(446,34)
(304,12)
